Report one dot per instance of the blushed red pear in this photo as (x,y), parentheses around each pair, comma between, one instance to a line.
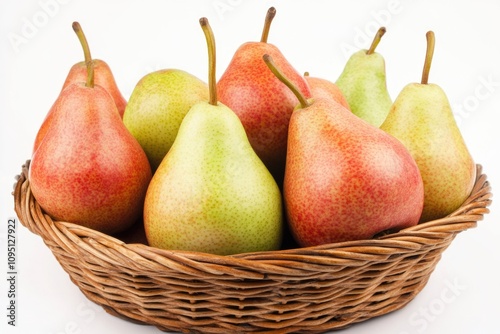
(103,76)
(262,102)
(89,169)
(345,179)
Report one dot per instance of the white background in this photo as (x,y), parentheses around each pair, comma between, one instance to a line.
(38,47)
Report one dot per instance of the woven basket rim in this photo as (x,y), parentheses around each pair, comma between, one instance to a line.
(465,217)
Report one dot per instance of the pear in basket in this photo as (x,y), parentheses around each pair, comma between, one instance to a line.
(78,73)
(212,193)
(157,106)
(345,179)
(89,169)
(261,101)
(103,75)
(363,83)
(422,119)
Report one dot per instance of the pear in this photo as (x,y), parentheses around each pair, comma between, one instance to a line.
(44,127)
(363,83)
(212,193)
(89,169)
(78,73)
(263,104)
(157,106)
(345,179)
(422,119)
(323,88)
(103,75)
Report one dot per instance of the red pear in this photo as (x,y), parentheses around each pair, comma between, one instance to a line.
(78,73)
(262,102)
(103,75)
(345,179)
(89,169)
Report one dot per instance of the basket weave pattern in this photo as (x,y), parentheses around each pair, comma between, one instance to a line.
(309,290)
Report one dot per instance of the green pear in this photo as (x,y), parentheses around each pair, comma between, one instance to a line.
(345,179)
(363,83)
(157,106)
(422,119)
(212,193)
(89,169)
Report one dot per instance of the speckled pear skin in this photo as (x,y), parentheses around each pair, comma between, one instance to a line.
(89,169)
(346,179)
(157,106)
(212,193)
(262,102)
(422,119)
(78,73)
(363,83)
(103,76)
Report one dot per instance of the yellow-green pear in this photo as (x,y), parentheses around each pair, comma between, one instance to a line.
(156,107)
(422,119)
(212,193)
(363,83)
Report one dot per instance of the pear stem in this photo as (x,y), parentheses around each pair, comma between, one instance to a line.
(271,12)
(431,41)
(277,72)
(83,41)
(90,75)
(212,83)
(378,36)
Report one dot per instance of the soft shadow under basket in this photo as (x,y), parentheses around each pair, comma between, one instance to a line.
(309,290)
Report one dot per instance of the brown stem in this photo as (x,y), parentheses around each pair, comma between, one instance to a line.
(271,12)
(83,41)
(277,72)
(378,36)
(90,75)
(431,41)
(212,83)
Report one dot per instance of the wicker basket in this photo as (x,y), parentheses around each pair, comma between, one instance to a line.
(308,290)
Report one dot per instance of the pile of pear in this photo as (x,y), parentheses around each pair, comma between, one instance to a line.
(263,158)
